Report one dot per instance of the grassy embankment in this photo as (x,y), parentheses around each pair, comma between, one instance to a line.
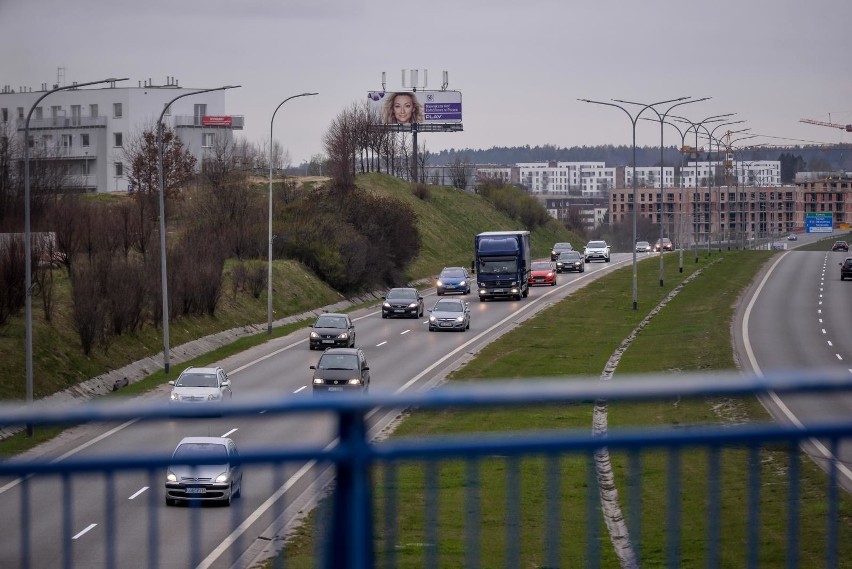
(575,338)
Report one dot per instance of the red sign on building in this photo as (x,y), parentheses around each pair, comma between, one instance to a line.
(216,121)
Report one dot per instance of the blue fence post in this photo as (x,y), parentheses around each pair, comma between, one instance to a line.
(350,542)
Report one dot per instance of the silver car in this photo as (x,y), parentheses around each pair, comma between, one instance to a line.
(450,314)
(201,385)
(204,469)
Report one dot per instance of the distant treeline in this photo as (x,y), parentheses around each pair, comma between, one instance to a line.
(813,158)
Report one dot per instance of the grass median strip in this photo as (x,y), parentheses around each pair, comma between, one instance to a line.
(575,338)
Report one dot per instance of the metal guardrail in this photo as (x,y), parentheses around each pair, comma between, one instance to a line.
(351,521)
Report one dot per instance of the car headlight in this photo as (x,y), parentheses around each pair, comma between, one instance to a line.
(412,305)
(318,380)
(355,381)
(171,477)
(173,396)
(440,283)
(550,274)
(222,477)
(481,285)
(343,336)
(462,283)
(214,396)
(386,304)
(513,284)
(432,319)
(459,318)
(314,335)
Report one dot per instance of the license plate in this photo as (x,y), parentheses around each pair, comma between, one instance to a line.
(328,341)
(496,290)
(399,310)
(196,490)
(335,389)
(445,324)
(539,280)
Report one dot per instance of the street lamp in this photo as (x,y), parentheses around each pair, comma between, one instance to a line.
(28,237)
(633,121)
(163,280)
(695,125)
(662,119)
(269,261)
(719,151)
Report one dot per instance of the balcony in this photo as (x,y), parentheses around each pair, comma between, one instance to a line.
(62,122)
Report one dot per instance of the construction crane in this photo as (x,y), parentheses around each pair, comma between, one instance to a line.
(847,128)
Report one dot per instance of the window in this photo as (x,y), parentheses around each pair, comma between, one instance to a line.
(116,110)
(4,115)
(39,113)
(118,141)
(199,111)
(84,139)
(75,115)
(119,169)
(168,110)
(20,112)
(93,110)
(207,140)
(66,141)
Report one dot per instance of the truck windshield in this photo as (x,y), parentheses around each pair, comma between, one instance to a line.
(497,267)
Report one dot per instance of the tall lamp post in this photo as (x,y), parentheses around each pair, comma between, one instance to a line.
(711,175)
(633,121)
(662,119)
(719,151)
(28,276)
(164,280)
(695,125)
(269,261)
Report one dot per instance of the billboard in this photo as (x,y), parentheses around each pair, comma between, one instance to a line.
(422,107)
(210,120)
(821,222)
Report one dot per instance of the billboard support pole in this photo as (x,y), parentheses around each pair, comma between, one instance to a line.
(414,141)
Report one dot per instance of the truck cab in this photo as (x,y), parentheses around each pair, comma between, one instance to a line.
(502,264)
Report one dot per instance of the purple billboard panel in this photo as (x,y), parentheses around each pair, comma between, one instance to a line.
(406,107)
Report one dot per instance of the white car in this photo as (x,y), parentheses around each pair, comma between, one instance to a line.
(596,250)
(201,385)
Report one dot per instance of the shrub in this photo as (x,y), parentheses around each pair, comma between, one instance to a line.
(422,191)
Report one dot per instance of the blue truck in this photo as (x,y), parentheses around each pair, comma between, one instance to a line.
(502,264)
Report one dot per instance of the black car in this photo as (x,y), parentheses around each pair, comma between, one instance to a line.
(570,261)
(341,369)
(332,330)
(559,248)
(846,269)
(402,302)
(840,246)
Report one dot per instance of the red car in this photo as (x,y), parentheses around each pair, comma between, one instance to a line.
(543,273)
(840,246)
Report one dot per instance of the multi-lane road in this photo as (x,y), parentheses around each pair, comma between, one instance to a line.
(83,524)
(794,316)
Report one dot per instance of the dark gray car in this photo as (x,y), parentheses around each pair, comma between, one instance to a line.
(402,302)
(340,370)
(332,330)
(218,479)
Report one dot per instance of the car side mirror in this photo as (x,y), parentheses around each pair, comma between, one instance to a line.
(171,382)
(226,382)
(313,367)
(366,368)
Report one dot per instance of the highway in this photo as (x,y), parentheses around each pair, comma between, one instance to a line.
(104,526)
(796,316)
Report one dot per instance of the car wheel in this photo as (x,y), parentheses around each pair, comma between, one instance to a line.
(440,293)
(481,299)
(239,493)
(227,501)
(170,502)
(431,329)
(384,315)
(526,292)
(606,260)
(553,283)
(468,325)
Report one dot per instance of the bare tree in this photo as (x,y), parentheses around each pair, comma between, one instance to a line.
(460,169)
(341,146)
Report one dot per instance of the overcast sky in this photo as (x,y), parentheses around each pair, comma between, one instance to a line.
(521,65)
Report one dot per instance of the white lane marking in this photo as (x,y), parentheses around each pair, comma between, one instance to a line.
(84,531)
(381,343)
(839,357)
(819,311)
(842,468)
(232,431)
(830,344)
(820,320)
(139,492)
(301,388)
(823,330)
(404,332)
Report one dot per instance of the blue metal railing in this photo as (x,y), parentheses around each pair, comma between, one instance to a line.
(355,529)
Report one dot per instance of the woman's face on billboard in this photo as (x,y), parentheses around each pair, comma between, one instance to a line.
(403,107)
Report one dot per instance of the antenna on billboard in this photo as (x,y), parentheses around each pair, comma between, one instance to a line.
(383,82)
(446,81)
(415,79)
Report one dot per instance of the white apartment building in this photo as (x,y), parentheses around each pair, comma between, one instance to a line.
(649,176)
(87,130)
(760,173)
(586,179)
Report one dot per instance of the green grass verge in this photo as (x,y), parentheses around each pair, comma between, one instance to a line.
(575,338)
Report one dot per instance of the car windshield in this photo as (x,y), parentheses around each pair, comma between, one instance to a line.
(497,267)
(562,246)
(596,244)
(642,243)
(197,380)
(541,266)
(452,274)
(338,361)
(208,450)
(448,306)
(330,322)
(569,255)
(402,294)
